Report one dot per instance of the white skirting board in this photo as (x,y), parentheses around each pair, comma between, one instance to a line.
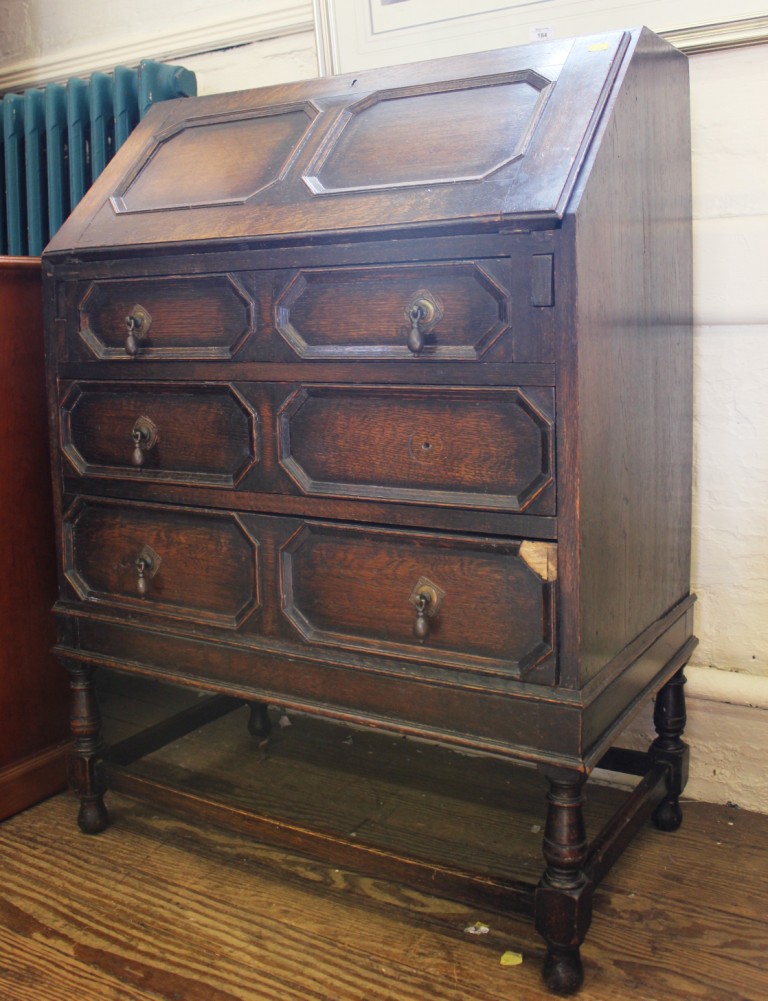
(727,731)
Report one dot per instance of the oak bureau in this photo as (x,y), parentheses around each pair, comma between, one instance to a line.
(371,396)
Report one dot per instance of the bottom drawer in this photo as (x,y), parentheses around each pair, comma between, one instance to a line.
(486,604)
(199,566)
(464,602)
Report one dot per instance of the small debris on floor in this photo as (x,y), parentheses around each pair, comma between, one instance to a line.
(511,958)
(536,828)
(478,928)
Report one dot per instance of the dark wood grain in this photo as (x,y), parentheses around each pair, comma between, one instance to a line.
(633,331)
(201,565)
(33,687)
(204,434)
(343,588)
(461,447)
(273,195)
(397,430)
(363,312)
(563,903)
(204,317)
(428,124)
(339,441)
(443,880)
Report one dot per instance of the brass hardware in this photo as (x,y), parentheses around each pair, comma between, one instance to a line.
(147,565)
(427,598)
(141,583)
(421,625)
(423,313)
(138,323)
(144,435)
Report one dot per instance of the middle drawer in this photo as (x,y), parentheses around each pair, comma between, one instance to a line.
(489,448)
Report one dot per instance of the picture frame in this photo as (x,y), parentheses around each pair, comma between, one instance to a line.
(364,34)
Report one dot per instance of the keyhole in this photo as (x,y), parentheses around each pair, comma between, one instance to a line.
(426,446)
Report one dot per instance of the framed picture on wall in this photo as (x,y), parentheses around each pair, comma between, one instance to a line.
(363,34)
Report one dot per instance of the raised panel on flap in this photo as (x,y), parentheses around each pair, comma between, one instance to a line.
(364,312)
(350,587)
(245,155)
(183,563)
(159,432)
(487,448)
(432,134)
(203,316)
(481,142)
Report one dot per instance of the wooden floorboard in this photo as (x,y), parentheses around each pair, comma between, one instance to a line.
(159,908)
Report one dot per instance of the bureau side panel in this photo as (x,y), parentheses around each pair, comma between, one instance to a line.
(633,315)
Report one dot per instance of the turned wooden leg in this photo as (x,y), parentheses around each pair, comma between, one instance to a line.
(669,721)
(259,723)
(85,721)
(563,901)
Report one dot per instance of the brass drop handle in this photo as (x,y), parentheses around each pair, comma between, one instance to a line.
(426,598)
(144,436)
(144,566)
(421,625)
(137,458)
(416,335)
(138,322)
(147,564)
(423,312)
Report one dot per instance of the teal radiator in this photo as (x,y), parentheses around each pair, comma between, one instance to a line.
(56,140)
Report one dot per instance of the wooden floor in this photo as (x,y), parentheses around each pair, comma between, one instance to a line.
(158,907)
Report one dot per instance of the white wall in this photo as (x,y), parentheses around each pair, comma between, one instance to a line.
(230,44)
(728,715)
(730,144)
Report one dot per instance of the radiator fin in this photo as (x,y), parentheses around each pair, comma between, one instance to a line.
(57,139)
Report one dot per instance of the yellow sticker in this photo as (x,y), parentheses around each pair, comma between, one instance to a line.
(511,959)
(598,47)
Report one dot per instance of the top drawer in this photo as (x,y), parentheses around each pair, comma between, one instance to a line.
(457,311)
(467,310)
(194,317)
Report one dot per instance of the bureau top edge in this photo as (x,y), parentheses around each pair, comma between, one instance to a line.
(483,238)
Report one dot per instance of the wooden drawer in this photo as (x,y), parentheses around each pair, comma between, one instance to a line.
(488,604)
(488,448)
(161,432)
(163,318)
(457,447)
(454,311)
(485,310)
(200,566)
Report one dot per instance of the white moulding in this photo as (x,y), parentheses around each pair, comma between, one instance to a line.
(732,687)
(727,732)
(171,46)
